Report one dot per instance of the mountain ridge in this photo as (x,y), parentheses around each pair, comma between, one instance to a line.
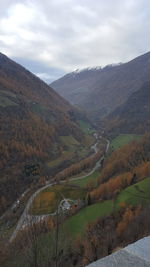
(99,92)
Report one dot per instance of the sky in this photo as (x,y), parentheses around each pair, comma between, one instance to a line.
(54,37)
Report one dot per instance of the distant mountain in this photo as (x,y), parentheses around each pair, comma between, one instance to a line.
(32,119)
(133,116)
(100,90)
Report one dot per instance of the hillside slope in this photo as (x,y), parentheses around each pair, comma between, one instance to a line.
(32,119)
(134,115)
(101,90)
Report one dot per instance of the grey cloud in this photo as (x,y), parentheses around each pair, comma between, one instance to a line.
(69,34)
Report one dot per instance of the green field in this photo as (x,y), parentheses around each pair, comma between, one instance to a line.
(72,148)
(48,200)
(86,127)
(77,224)
(6,101)
(69,141)
(65,156)
(40,109)
(122,140)
(91,178)
(7,98)
(133,195)
(71,145)
(136,194)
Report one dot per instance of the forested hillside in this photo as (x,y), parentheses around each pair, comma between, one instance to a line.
(124,167)
(133,116)
(32,119)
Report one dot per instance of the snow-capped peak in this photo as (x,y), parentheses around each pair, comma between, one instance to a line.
(95,68)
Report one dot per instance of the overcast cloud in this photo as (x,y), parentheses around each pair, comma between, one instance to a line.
(52,37)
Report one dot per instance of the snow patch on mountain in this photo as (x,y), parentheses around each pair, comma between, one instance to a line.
(95,68)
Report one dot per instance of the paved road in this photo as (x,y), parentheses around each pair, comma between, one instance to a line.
(25,218)
(97,165)
(15,204)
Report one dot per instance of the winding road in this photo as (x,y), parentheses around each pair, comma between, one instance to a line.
(26,219)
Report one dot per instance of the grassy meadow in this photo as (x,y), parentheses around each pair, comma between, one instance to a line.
(123,139)
(133,195)
(92,178)
(136,194)
(86,127)
(77,223)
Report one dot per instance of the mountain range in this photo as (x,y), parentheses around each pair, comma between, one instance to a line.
(100,90)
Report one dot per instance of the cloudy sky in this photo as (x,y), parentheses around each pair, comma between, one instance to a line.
(53,37)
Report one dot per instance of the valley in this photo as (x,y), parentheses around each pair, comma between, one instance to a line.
(45,203)
(74,133)
(24,221)
(81,177)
